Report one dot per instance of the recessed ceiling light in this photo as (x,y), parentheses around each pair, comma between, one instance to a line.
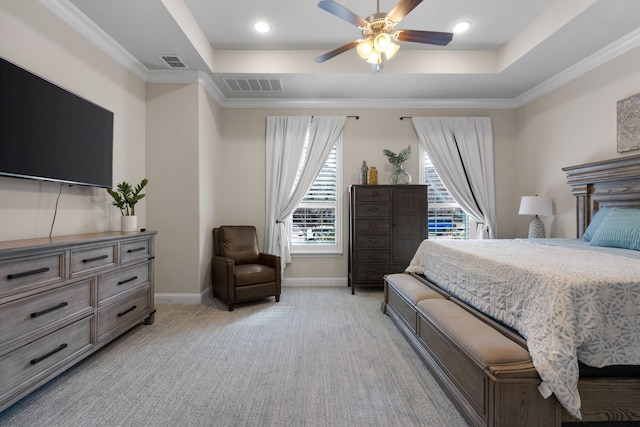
(262,26)
(461,27)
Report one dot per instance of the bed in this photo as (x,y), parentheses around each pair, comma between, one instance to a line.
(576,302)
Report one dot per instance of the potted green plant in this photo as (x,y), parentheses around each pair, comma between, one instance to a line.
(399,175)
(125,197)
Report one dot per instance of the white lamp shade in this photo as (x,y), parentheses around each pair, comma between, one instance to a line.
(536,205)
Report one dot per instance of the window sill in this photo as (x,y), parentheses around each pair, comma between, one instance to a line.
(323,254)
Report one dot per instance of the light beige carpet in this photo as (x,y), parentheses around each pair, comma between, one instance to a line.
(319,357)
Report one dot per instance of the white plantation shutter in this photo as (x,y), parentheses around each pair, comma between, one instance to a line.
(314,220)
(447,220)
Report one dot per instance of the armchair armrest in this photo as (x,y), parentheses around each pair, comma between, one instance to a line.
(270,260)
(222,276)
(273,261)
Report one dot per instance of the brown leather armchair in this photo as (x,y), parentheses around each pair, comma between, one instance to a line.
(240,272)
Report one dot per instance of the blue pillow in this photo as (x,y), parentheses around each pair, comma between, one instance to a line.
(595,223)
(619,229)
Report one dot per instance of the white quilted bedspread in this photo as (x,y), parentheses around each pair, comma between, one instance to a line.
(569,304)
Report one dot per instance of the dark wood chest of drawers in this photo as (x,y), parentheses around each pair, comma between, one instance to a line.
(386,225)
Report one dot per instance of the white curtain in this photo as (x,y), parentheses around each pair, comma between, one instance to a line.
(461,150)
(285,186)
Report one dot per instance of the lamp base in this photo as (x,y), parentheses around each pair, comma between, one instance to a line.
(536,229)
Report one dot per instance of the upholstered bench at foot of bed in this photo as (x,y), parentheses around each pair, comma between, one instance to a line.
(402,293)
(487,374)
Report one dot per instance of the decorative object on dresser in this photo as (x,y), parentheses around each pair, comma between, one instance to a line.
(372,176)
(125,198)
(399,175)
(386,225)
(537,206)
(63,298)
(364,172)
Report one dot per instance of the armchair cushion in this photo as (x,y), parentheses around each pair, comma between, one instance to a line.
(251,274)
(239,243)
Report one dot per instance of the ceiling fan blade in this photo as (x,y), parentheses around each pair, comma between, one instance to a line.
(402,9)
(427,37)
(342,12)
(337,51)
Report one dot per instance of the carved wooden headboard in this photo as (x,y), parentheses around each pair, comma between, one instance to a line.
(614,182)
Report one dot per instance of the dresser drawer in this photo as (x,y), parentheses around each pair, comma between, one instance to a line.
(373,241)
(371,272)
(373,226)
(113,284)
(31,272)
(92,258)
(373,210)
(135,250)
(30,363)
(373,255)
(130,310)
(27,316)
(373,194)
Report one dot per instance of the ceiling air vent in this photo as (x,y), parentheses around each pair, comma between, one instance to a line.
(173,61)
(253,84)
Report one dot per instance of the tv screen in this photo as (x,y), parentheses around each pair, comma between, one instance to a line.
(50,134)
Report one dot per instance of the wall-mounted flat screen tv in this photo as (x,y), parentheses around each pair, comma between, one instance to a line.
(50,134)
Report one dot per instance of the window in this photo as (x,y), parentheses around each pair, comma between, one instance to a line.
(447,220)
(316,221)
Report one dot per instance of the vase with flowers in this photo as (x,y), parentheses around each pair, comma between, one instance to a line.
(399,176)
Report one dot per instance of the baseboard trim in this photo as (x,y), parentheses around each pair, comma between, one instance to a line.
(314,281)
(193,298)
(163,298)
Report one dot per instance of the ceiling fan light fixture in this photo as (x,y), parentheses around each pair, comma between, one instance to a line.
(364,49)
(381,42)
(391,50)
(374,58)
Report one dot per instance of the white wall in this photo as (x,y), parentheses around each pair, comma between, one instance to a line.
(33,38)
(574,124)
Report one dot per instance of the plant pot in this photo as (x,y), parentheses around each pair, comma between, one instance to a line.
(129,223)
(400,176)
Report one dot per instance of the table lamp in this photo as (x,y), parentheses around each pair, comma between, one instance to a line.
(537,206)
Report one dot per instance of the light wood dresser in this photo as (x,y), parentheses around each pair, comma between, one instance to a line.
(63,298)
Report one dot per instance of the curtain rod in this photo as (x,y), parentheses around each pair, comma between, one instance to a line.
(406,117)
(349,117)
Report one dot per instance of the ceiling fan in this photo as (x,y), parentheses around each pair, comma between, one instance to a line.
(378,32)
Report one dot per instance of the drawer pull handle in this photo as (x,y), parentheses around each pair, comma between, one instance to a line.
(98,258)
(51,353)
(126,311)
(27,273)
(373,225)
(122,282)
(50,309)
(373,209)
(136,249)
(373,194)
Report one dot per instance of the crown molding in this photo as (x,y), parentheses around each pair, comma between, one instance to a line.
(70,14)
(604,55)
(370,103)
